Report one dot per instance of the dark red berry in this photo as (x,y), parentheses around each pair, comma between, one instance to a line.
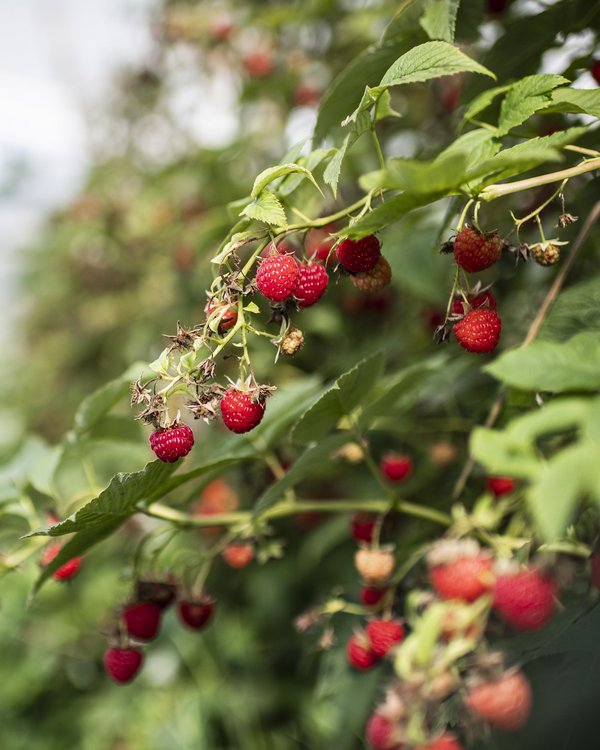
(362,526)
(371,596)
(359,255)
(197,613)
(595,71)
(66,571)
(161,593)
(525,599)
(122,664)
(240,412)
(142,620)
(500,486)
(479,331)
(396,467)
(173,443)
(475,251)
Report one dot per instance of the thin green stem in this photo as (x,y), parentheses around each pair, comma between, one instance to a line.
(463,215)
(377,146)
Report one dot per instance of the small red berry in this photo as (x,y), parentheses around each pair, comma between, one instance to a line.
(447,741)
(122,664)
(239,412)
(525,599)
(371,596)
(196,613)
(466,578)
(361,527)
(504,703)
(483,299)
(259,63)
(142,620)
(66,571)
(359,654)
(396,467)
(173,443)
(380,733)
(595,71)
(312,283)
(238,555)
(383,635)
(277,277)
(500,486)
(479,331)
(359,255)
(475,251)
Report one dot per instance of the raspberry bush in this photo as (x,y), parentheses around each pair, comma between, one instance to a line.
(362,472)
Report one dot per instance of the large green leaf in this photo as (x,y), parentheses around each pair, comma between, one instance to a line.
(551,365)
(439,19)
(576,101)
(266,207)
(577,309)
(525,98)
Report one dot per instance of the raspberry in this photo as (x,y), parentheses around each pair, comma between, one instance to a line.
(383,635)
(161,593)
(277,277)
(240,413)
(122,664)
(380,733)
(359,255)
(65,572)
(447,741)
(595,71)
(361,527)
(238,555)
(370,596)
(525,599)
(196,613)
(475,251)
(545,253)
(292,342)
(225,314)
(465,574)
(375,279)
(359,654)
(374,566)
(479,331)
(483,299)
(505,703)
(259,63)
(318,244)
(142,620)
(312,283)
(173,443)
(395,467)
(500,486)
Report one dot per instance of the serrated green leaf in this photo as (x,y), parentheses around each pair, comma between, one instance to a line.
(282,170)
(387,213)
(311,161)
(441,175)
(525,98)
(439,19)
(267,208)
(483,101)
(576,101)
(557,367)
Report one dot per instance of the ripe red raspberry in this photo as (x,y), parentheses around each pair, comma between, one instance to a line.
(595,71)
(525,599)
(361,527)
(277,277)
(359,654)
(374,280)
(447,741)
(467,575)
(122,664)
(312,283)
(595,569)
(374,565)
(66,571)
(505,703)
(238,555)
(161,593)
(239,412)
(383,635)
(371,596)
(196,613)
(359,255)
(499,486)
(484,299)
(475,251)
(226,315)
(173,443)
(395,467)
(479,331)
(380,733)
(142,620)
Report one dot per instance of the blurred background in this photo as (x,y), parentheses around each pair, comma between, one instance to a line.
(127,127)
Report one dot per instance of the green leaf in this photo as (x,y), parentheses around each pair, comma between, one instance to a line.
(551,366)
(483,101)
(576,101)
(267,208)
(439,176)
(439,19)
(274,173)
(525,98)
(499,455)
(577,309)
(360,125)
(311,161)
(341,399)
(384,107)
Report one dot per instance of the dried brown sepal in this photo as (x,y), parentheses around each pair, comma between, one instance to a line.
(184,338)
(447,247)
(565,219)
(442,333)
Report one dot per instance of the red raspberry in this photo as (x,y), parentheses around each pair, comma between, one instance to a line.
(312,283)
(359,255)
(484,299)
(465,578)
(66,571)
(359,654)
(196,613)
(475,251)
(447,741)
(161,593)
(380,733)
(525,599)
(122,664)
(226,314)
(259,63)
(142,620)
(383,635)
(371,596)
(595,71)
(479,331)
(240,413)
(238,555)
(505,703)
(499,486)
(277,277)
(361,527)
(595,569)
(172,444)
(396,467)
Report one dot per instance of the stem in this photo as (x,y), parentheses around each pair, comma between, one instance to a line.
(377,147)
(463,215)
(324,220)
